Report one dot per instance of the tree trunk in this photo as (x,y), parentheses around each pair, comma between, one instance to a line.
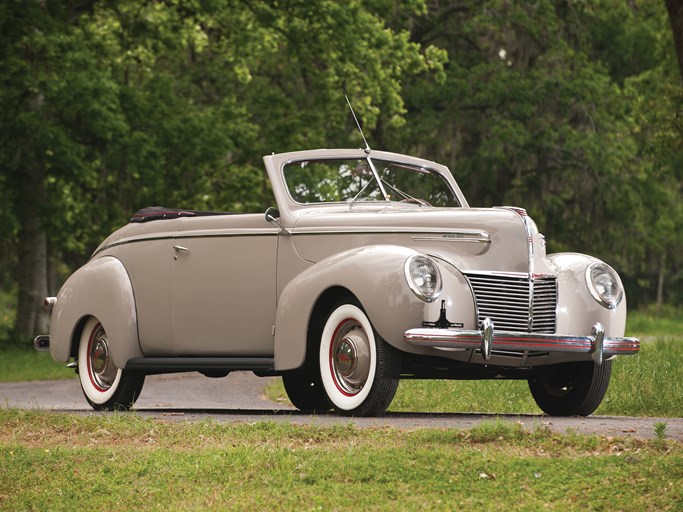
(32,318)
(675,8)
(660,284)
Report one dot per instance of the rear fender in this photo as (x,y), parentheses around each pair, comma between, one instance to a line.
(101,288)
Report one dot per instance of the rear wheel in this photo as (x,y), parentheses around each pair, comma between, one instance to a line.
(359,370)
(571,389)
(104,385)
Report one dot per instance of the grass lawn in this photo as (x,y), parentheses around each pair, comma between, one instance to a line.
(124,462)
(648,324)
(26,364)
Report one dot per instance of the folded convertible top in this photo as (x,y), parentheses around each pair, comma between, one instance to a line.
(160,213)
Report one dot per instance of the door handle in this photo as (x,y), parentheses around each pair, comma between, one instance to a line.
(179,248)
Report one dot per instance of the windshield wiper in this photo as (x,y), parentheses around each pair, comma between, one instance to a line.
(355,198)
(407,198)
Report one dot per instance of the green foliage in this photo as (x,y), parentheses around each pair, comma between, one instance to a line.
(167,103)
(551,107)
(571,109)
(8,302)
(660,430)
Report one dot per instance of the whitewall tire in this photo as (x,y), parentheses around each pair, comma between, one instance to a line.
(358,369)
(104,385)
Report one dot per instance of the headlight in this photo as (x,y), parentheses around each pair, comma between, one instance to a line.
(604,284)
(423,277)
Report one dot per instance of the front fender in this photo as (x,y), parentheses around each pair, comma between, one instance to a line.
(375,276)
(577,310)
(101,288)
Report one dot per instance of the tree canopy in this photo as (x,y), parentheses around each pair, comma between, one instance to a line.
(570,109)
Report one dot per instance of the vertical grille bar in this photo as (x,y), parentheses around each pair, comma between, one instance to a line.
(516,303)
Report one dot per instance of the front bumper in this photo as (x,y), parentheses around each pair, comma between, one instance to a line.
(487,340)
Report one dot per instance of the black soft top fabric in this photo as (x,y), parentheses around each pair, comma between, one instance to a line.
(160,213)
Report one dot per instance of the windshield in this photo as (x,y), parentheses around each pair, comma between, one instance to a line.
(364,180)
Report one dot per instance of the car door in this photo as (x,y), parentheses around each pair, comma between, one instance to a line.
(147,253)
(223,279)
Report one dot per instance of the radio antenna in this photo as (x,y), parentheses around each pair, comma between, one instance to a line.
(367,146)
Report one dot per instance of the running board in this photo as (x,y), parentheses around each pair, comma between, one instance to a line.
(200,364)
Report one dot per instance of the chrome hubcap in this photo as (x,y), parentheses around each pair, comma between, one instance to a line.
(102,369)
(350,358)
(100,355)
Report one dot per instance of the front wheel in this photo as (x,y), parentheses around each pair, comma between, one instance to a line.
(571,389)
(359,370)
(305,390)
(105,386)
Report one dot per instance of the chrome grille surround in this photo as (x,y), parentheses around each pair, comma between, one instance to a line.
(516,303)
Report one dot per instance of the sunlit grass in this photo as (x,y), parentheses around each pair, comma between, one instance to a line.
(26,364)
(121,461)
(648,323)
(648,384)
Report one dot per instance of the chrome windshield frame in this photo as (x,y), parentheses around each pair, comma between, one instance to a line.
(377,178)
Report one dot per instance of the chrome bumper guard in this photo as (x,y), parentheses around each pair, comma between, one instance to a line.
(42,343)
(487,340)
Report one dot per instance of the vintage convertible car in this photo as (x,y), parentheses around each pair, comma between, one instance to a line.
(372,268)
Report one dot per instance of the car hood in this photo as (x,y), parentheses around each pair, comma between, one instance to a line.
(472,239)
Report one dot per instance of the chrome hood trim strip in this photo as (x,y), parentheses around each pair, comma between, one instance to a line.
(456,236)
(530,249)
(463,235)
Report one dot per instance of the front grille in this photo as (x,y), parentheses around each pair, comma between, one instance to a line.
(505,300)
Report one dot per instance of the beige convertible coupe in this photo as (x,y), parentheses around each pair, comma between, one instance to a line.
(372,268)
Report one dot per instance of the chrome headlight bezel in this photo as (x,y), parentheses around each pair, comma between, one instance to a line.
(604,284)
(423,277)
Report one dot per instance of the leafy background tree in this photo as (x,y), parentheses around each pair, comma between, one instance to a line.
(571,109)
